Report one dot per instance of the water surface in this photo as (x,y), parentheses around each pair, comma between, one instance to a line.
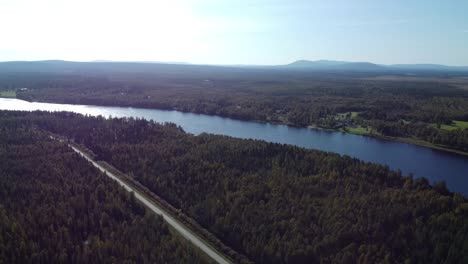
(433,164)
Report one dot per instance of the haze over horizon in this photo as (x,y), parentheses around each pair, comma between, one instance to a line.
(256,32)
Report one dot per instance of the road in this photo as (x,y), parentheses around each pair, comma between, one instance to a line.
(182,229)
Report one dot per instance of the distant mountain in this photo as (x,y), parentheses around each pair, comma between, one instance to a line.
(178,68)
(157,62)
(334,65)
(318,63)
(367,66)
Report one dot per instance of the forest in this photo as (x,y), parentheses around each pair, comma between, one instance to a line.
(276,203)
(397,107)
(57,208)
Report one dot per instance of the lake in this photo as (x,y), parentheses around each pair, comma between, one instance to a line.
(435,165)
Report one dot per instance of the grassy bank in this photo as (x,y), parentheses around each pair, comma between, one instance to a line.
(454,126)
(359,130)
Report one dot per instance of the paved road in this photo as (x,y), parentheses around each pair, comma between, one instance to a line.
(183,230)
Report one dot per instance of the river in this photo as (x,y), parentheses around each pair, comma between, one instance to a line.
(433,164)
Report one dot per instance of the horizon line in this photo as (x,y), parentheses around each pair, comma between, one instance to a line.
(223,64)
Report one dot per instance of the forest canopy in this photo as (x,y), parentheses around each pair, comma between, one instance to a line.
(57,208)
(277,203)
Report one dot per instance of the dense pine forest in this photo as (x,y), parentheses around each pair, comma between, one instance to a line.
(57,208)
(274,203)
(417,107)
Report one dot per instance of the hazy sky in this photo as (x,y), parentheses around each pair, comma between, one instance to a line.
(236,31)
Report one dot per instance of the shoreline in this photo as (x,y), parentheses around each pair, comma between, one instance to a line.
(406,140)
(411,141)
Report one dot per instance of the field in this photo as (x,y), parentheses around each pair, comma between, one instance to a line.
(461,124)
(454,126)
(8,94)
(356,130)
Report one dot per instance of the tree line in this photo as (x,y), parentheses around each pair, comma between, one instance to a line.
(297,99)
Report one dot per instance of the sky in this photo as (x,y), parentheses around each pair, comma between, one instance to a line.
(262,32)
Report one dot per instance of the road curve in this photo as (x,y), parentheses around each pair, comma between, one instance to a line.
(183,230)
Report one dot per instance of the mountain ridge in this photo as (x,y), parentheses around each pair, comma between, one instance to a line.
(345,65)
(299,65)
